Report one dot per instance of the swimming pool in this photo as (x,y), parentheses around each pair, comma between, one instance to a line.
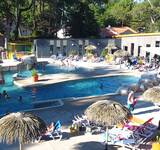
(52,69)
(77,88)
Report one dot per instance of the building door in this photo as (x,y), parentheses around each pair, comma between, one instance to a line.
(132,49)
(147,56)
(126,48)
(51,51)
(139,50)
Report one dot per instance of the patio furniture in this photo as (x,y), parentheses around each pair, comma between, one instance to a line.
(146,126)
(127,139)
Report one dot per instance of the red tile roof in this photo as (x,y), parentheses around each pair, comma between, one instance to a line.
(121,30)
(113,31)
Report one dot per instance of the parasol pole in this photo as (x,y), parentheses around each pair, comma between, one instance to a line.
(106,145)
(20,146)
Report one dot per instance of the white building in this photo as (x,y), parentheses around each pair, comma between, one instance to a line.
(142,44)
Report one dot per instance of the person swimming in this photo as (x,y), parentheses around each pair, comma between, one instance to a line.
(20,99)
(101,86)
(5,94)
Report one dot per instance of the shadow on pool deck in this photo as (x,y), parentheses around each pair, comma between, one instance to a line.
(65,114)
(92,145)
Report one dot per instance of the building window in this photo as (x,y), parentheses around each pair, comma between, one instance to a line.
(148,45)
(157,44)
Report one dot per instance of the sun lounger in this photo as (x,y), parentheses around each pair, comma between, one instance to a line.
(126,138)
(118,136)
(83,122)
(132,136)
(57,134)
(146,126)
(80,120)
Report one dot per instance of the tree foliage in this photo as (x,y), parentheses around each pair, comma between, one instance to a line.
(81,18)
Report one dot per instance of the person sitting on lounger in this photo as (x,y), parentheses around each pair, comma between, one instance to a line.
(53,132)
(50,127)
(48,134)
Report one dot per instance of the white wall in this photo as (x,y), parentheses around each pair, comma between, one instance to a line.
(141,41)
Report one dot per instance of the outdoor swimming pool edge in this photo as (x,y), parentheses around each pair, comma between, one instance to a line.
(64,99)
(73,78)
(77,98)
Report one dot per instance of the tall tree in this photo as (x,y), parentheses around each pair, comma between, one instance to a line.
(81,21)
(121,11)
(146,16)
(20,7)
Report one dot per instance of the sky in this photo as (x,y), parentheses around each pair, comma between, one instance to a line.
(139,1)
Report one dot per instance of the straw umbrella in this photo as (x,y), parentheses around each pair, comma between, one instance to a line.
(121,53)
(107,113)
(21,127)
(90,47)
(152,94)
(110,47)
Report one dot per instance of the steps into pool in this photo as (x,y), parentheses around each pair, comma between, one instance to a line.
(47,103)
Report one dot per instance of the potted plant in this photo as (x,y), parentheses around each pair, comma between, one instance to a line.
(156,142)
(34,75)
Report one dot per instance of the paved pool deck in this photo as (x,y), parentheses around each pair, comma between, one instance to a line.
(70,108)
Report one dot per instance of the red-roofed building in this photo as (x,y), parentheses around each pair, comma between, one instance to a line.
(109,31)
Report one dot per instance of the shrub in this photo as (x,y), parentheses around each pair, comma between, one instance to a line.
(72,52)
(104,53)
(34,72)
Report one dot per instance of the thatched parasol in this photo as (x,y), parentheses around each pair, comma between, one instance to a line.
(22,127)
(152,94)
(90,47)
(110,47)
(121,53)
(107,113)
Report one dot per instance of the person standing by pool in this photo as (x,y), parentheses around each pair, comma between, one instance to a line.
(131,101)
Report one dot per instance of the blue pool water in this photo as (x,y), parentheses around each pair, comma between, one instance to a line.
(51,69)
(78,88)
